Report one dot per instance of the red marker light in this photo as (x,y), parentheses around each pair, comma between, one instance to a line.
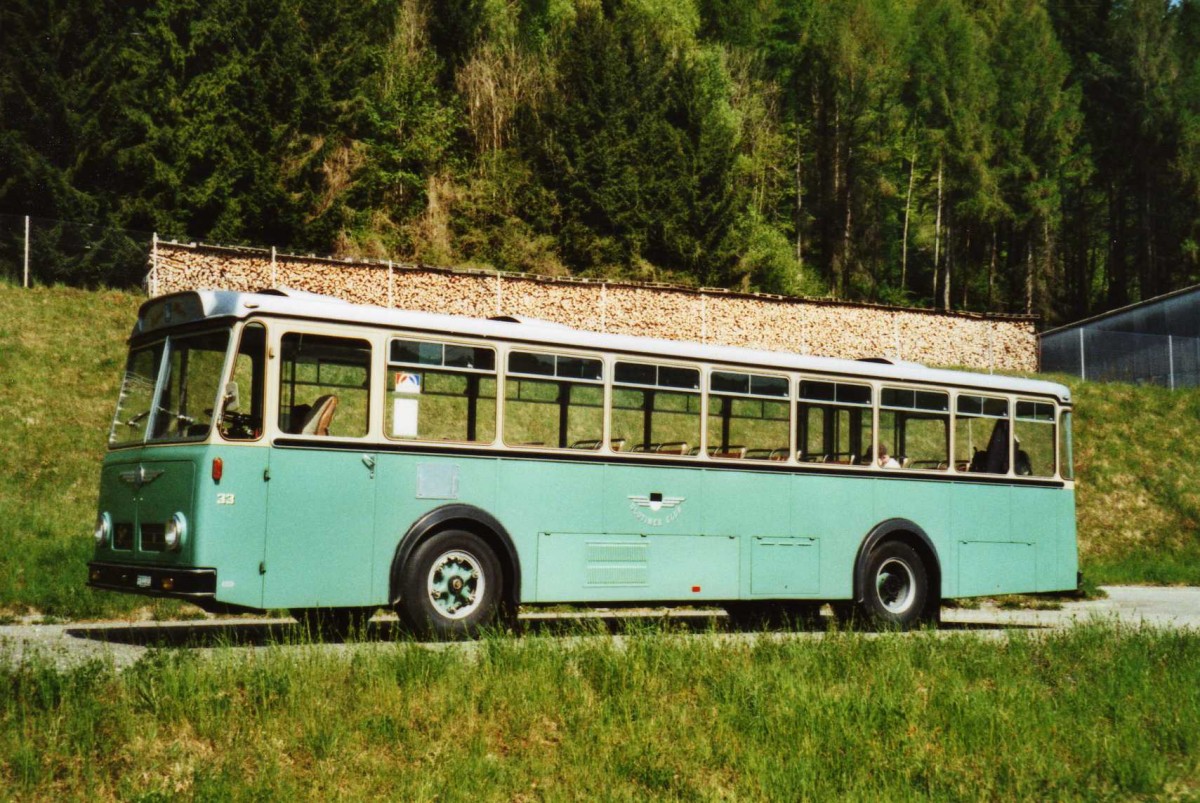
(695,589)
(218,468)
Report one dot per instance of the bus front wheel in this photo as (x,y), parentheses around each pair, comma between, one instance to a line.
(451,586)
(896,586)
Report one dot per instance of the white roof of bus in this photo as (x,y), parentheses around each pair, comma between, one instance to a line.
(327,308)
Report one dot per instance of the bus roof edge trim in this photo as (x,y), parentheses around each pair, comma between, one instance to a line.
(311,306)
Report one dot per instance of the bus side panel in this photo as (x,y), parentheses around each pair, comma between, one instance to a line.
(656,541)
(409,486)
(987,557)
(608,567)
(758,507)
(1035,513)
(926,504)
(544,496)
(630,504)
(1068,543)
(838,512)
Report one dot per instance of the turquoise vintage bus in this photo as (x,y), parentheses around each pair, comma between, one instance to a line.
(286,450)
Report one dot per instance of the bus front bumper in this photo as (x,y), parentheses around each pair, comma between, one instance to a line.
(154,581)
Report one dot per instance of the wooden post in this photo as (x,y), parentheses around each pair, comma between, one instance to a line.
(153,283)
(26,282)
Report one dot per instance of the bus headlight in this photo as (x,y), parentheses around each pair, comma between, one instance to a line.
(103,531)
(175,531)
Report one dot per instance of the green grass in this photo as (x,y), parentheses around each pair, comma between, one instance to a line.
(1137,456)
(61,356)
(1094,712)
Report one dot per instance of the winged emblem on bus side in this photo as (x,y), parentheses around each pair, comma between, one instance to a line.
(140,477)
(657,502)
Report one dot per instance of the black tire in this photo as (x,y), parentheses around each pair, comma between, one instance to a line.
(895,590)
(331,624)
(451,586)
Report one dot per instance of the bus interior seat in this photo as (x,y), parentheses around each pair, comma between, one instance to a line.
(320,416)
(617,444)
(673,447)
(779,454)
(735,452)
(591,443)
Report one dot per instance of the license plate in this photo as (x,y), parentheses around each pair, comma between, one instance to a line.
(143,581)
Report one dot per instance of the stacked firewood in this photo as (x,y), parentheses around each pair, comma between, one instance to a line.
(820,327)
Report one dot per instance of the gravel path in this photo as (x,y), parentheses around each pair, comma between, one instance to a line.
(123,643)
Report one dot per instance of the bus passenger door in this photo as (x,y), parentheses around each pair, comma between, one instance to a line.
(320,528)
(321,487)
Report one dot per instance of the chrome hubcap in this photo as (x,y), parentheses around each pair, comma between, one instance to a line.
(895,585)
(455,584)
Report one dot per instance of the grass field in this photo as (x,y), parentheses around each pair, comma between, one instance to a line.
(1138,502)
(1095,712)
(61,355)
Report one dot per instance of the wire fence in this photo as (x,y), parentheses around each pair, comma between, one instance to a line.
(42,251)
(1172,361)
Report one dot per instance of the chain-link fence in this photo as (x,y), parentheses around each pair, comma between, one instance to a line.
(1156,342)
(40,251)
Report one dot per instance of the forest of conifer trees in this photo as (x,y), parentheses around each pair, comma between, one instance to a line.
(1035,156)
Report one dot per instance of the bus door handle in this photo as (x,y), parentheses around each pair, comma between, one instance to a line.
(369,462)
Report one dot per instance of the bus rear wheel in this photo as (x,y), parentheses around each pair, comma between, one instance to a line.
(896,586)
(451,586)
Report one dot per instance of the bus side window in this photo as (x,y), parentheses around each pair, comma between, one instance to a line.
(324,385)
(834,423)
(981,434)
(554,401)
(1034,431)
(915,426)
(242,398)
(441,392)
(747,416)
(657,408)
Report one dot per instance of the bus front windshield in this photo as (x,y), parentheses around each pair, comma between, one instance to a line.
(169,390)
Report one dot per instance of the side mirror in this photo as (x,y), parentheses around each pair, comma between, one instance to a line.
(230,402)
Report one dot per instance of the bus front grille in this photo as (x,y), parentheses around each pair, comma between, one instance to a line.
(154,537)
(123,536)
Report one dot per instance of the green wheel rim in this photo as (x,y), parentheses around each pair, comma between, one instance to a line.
(456,584)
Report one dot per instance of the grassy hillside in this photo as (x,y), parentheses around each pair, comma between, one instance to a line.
(1137,458)
(61,356)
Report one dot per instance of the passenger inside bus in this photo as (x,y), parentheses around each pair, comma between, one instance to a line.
(994,459)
